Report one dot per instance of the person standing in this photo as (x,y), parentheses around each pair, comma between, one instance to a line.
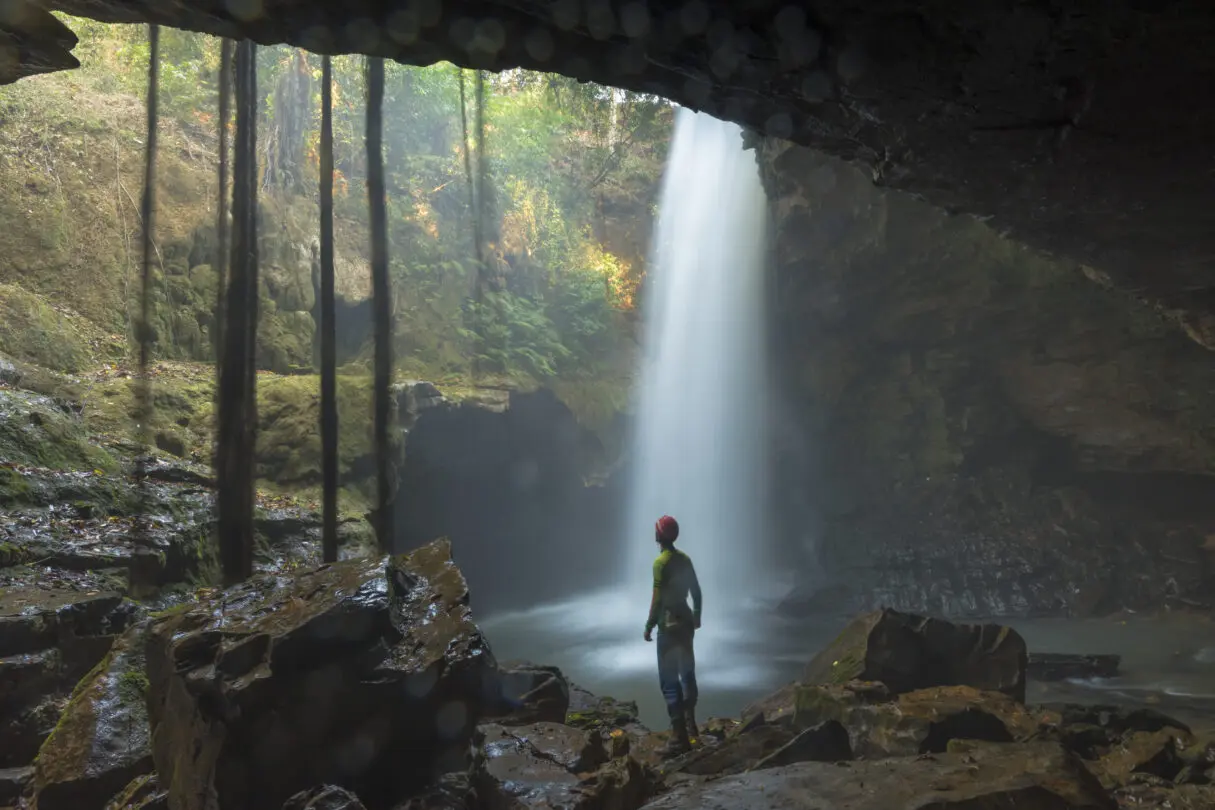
(677,623)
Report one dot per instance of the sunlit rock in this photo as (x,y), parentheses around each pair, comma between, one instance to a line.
(369,673)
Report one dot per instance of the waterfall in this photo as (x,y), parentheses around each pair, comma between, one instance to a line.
(699,447)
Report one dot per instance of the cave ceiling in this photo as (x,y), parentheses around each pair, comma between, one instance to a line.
(1085,128)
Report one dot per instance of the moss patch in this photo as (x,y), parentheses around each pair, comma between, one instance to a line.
(31,331)
(289,441)
(37,431)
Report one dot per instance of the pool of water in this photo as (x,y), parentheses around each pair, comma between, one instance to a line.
(1168,661)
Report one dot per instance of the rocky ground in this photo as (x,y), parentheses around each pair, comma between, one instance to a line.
(128,680)
(367,684)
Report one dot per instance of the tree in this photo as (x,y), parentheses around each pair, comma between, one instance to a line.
(329,414)
(381,292)
(147,210)
(237,403)
(221,224)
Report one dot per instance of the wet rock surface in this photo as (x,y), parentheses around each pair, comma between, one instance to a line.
(529,693)
(1018,777)
(101,741)
(907,652)
(368,673)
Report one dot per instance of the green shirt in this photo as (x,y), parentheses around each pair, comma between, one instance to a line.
(674,580)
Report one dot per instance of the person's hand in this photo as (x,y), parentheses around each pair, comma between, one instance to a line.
(648,635)
(697,623)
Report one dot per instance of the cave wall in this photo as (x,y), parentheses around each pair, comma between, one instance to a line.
(506,482)
(976,429)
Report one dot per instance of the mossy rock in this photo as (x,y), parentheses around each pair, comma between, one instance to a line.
(284,341)
(37,431)
(290,287)
(205,282)
(102,741)
(30,330)
(289,441)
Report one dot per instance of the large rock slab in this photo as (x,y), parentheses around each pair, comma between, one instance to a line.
(1030,776)
(101,742)
(368,674)
(919,722)
(908,652)
(548,766)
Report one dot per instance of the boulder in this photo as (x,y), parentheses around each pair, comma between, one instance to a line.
(735,754)
(908,652)
(1029,776)
(551,766)
(826,742)
(1116,720)
(101,742)
(1140,752)
(325,797)
(368,674)
(589,711)
(528,693)
(919,722)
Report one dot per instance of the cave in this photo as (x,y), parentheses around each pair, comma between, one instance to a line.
(987,319)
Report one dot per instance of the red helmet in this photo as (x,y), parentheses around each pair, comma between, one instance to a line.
(667,529)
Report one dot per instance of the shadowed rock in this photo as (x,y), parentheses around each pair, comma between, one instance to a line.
(918,722)
(141,793)
(1013,777)
(367,674)
(907,652)
(547,765)
(528,693)
(326,797)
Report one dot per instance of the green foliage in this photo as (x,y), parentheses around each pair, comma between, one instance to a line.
(558,154)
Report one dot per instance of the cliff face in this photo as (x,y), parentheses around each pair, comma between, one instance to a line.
(973,428)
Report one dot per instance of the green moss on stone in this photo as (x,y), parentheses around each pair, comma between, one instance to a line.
(30,330)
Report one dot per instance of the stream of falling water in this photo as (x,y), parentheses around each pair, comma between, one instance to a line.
(699,447)
(699,451)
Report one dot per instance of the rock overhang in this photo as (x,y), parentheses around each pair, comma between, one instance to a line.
(1073,126)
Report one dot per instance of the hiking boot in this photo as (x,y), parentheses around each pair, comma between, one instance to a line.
(693,729)
(679,742)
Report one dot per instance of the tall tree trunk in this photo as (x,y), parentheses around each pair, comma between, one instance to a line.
(221,226)
(143,392)
(237,404)
(474,216)
(221,223)
(381,301)
(329,413)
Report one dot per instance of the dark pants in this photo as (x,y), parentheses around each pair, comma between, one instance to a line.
(677,671)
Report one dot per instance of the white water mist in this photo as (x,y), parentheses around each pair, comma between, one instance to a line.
(700,447)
